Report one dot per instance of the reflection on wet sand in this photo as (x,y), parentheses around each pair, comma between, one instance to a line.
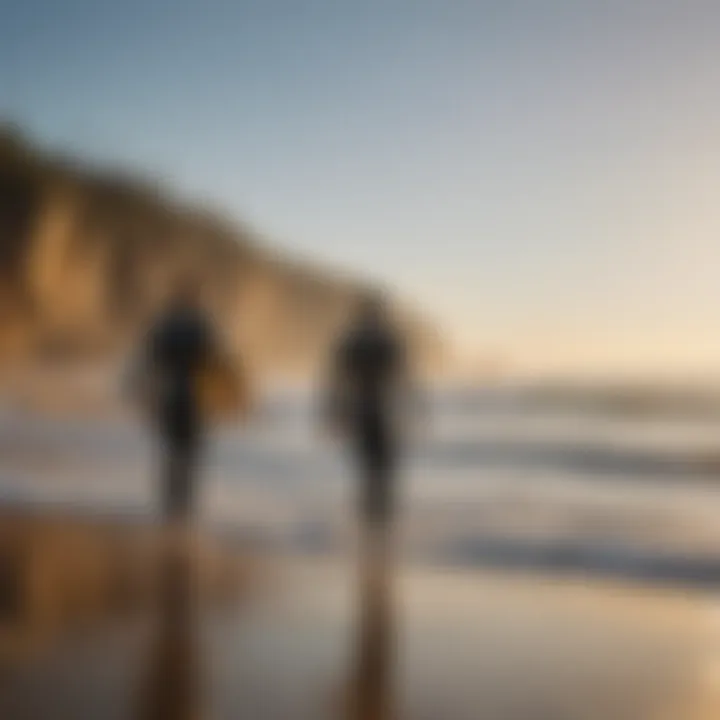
(470,646)
(372,677)
(59,575)
(429,645)
(171,690)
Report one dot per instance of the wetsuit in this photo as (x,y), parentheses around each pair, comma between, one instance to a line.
(369,364)
(180,346)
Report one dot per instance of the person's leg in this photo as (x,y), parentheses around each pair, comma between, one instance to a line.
(379,509)
(178,481)
(172,692)
(373,672)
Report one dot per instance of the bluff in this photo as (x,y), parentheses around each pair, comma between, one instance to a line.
(87,258)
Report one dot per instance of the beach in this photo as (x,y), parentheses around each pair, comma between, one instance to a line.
(550,565)
(467,645)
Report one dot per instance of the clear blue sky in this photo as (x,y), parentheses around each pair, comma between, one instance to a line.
(542,175)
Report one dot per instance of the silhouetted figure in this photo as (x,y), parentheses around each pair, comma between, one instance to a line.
(367,399)
(179,349)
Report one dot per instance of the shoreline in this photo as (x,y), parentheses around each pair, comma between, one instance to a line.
(594,560)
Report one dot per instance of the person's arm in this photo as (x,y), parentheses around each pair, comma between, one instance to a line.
(139,378)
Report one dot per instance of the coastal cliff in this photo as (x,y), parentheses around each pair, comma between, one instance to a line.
(87,258)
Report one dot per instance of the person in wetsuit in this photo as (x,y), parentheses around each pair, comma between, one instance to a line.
(179,347)
(366,401)
(177,351)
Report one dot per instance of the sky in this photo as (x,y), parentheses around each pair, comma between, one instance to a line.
(541,177)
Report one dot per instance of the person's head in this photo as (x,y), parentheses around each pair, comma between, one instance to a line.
(372,308)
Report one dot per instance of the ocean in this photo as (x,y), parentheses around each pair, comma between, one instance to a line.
(514,476)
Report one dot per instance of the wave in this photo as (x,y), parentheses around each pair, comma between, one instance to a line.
(681,402)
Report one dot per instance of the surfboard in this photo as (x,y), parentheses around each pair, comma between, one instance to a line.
(223,389)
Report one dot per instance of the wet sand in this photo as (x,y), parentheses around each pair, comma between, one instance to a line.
(468,646)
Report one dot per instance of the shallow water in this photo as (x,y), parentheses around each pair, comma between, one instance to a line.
(492,474)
